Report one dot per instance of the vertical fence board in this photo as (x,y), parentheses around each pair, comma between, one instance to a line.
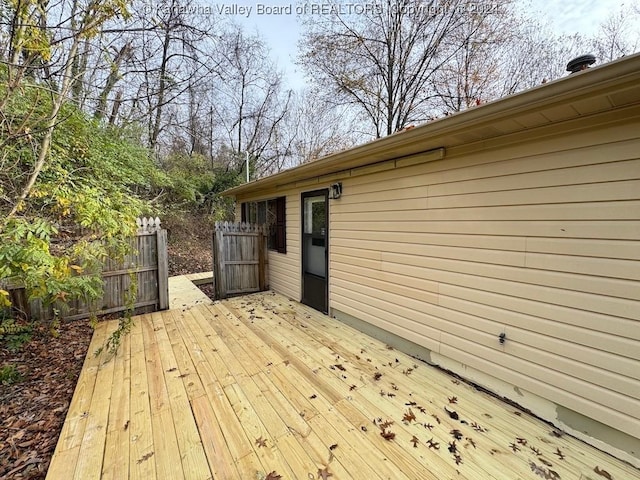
(239,253)
(163,270)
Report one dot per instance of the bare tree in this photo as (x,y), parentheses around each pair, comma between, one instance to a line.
(619,34)
(249,102)
(316,129)
(470,75)
(381,58)
(119,57)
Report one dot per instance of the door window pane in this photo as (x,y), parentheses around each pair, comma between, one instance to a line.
(314,215)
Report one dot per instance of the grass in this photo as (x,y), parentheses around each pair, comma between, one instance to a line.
(9,374)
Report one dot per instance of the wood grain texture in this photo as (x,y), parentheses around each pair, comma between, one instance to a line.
(255,384)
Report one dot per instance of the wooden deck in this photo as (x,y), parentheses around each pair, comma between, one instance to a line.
(256,385)
(184,293)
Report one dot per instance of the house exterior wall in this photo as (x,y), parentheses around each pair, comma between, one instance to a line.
(535,236)
(539,240)
(284,269)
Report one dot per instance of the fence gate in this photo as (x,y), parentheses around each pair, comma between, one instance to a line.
(239,258)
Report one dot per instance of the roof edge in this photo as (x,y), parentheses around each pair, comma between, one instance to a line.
(562,89)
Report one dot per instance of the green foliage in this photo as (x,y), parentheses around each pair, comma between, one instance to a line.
(195,184)
(191,178)
(113,342)
(83,206)
(14,336)
(125,322)
(29,38)
(9,374)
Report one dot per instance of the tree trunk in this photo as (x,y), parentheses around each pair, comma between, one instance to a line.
(58,101)
(114,75)
(155,130)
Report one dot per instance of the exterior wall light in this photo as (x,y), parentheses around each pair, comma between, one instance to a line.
(336,191)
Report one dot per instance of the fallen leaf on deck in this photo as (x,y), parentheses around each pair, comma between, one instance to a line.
(261,442)
(603,473)
(384,425)
(547,474)
(478,428)
(324,474)
(452,413)
(387,435)
(145,457)
(409,416)
(273,476)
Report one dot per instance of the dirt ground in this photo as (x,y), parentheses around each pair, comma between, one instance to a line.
(33,406)
(190,245)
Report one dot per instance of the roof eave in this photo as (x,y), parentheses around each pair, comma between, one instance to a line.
(559,91)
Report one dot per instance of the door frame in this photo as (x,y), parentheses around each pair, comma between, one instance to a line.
(315,193)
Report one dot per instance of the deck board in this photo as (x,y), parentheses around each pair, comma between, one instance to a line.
(184,293)
(193,389)
(116,455)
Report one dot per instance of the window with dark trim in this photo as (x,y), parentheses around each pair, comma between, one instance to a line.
(272,213)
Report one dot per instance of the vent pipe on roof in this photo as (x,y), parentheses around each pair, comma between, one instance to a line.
(580,63)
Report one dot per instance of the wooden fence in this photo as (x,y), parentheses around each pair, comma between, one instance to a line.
(147,265)
(239,258)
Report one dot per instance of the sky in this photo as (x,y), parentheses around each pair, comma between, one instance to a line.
(276,21)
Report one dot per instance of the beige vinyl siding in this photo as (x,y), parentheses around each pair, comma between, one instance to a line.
(284,269)
(538,239)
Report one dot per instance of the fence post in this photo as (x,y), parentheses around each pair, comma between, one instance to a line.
(163,270)
(221,283)
(216,263)
(262,250)
(18,297)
